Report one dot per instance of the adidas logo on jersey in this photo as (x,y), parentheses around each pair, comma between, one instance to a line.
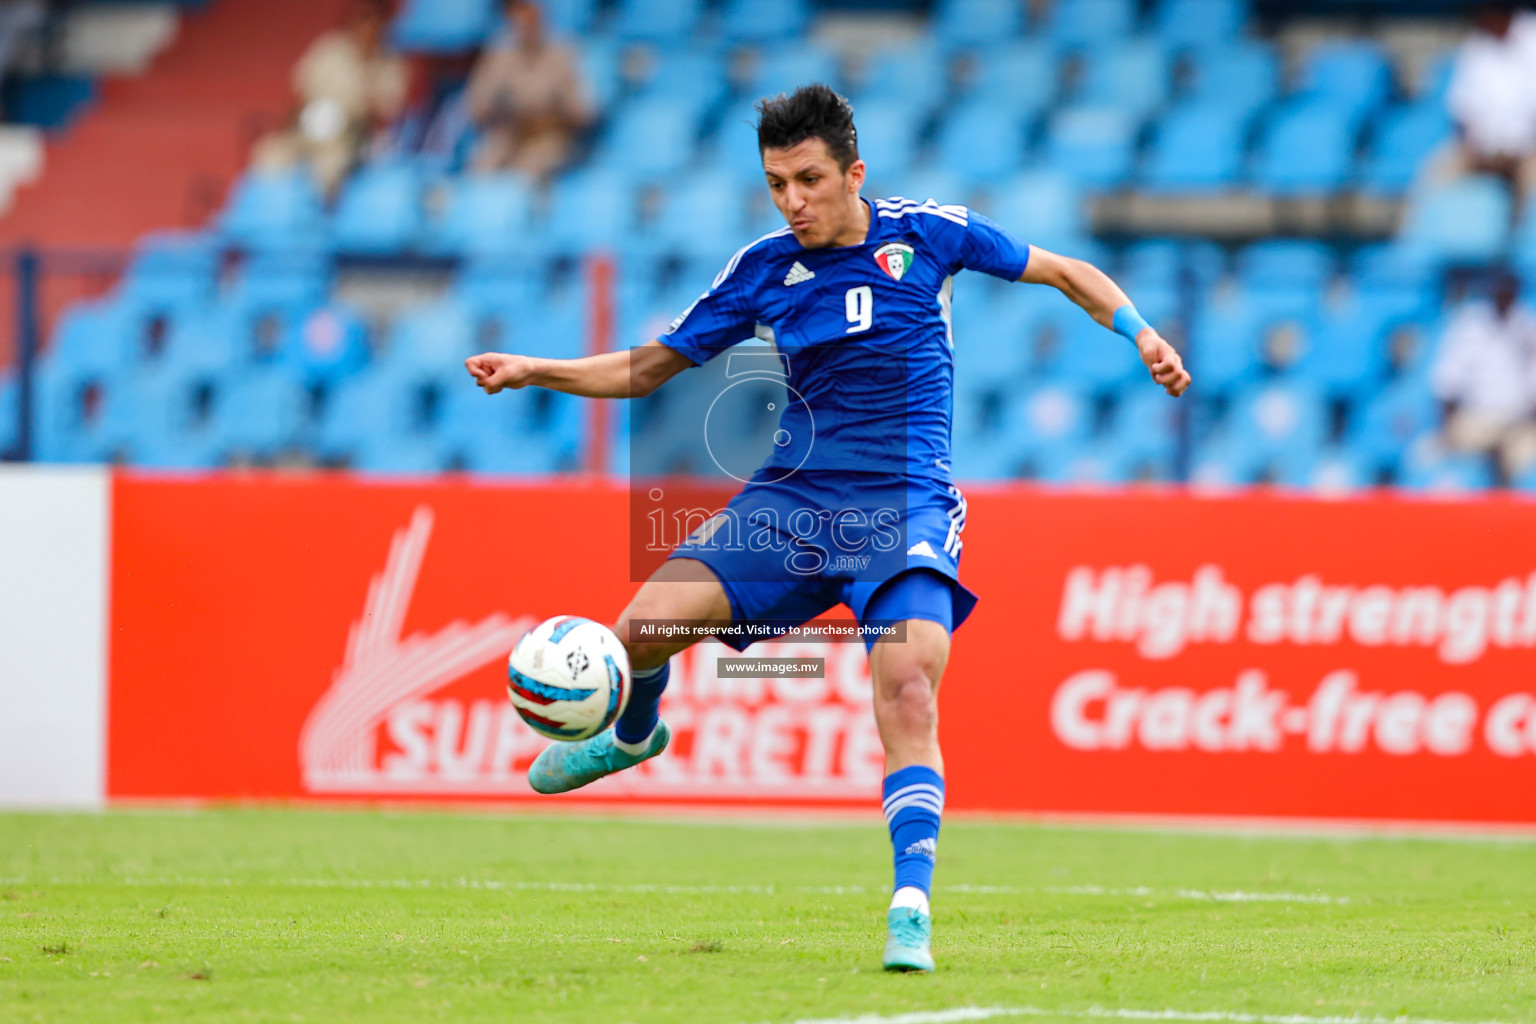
(798,273)
(922,548)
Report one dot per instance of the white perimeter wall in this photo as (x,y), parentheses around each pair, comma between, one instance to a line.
(54,524)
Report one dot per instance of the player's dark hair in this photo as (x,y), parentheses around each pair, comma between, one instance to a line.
(810,112)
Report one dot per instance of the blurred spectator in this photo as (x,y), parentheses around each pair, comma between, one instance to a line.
(526,97)
(349,84)
(1485,374)
(17,19)
(1492,98)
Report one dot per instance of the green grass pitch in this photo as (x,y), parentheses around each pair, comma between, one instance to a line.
(305,915)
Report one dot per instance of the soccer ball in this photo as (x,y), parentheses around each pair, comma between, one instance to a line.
(568,678)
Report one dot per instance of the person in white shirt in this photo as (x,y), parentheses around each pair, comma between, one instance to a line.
(1492,98)
(1485,375)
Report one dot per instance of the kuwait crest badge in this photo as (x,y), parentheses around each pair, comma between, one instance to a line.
(895,258)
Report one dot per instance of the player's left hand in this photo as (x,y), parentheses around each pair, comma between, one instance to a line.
(1162,362)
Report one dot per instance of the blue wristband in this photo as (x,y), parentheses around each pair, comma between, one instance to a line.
(1128,322)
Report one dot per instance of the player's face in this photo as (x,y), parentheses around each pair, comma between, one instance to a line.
(819,200)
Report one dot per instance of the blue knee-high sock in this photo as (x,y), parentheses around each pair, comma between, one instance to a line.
(914,805)
(638,721)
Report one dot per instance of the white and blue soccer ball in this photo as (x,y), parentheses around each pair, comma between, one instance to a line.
(568,678)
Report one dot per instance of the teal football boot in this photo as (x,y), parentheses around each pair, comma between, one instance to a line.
(910,931)
(563,767)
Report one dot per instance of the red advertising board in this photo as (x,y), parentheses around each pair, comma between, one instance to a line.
(1138,653)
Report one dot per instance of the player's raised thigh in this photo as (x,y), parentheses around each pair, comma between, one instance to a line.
(680,589)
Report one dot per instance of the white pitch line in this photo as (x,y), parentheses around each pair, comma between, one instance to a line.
(1197,895)
(970,1013)
(1236,896)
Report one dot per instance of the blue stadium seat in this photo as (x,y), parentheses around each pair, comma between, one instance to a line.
(259,412)
(976,459)
(570,17)
(601,60)
(1197,148)
(733,150)
(1405,137)
(1145,426)
(269,209)
(590,208)
(473,421)
(783,69)
(703,215)
(370,404)
(1330,472)
(915,77)
(483,215)
(1462,221)
(444,26)
(1091,357)
(1166,261)
(1427,467)
(1388,266)
(995,333)
(982,141)
(93,339)
(205,344)
(978,23)
(150,421)
(1279,419)
(1285,261)
(1306,150)
(658,21)
(1241,76)
(1022,75)
(507,282)
(1161,302)
(379,210)
(1094,145)
(1133,75)
(411,455)
(763,21)
(292,280)
(695,79)
(1046,204)
(1195,22)
(888,134)
(1347,357)
(330,344)
(1224,344)
(1045,415)
(652,137)
(1403,410)
(560,326)
(431,341)
(1354,75)
(1223,461)
(171,269)
(1090,464)
(144,407)
(1081,22)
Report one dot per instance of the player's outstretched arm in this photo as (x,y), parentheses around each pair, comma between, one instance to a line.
(1102,299)
(633,373)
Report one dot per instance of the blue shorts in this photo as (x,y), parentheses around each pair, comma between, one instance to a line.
(788,550)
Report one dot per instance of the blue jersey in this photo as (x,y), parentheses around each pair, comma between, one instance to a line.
(865,330)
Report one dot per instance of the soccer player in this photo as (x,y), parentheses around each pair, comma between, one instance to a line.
(856,295)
